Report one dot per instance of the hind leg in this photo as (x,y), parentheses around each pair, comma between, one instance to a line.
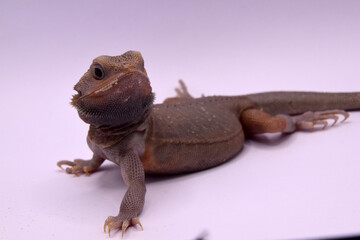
(256,121)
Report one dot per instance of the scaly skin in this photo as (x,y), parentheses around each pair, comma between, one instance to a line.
(184,134)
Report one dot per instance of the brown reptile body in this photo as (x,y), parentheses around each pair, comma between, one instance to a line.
(183,134)
(193,134)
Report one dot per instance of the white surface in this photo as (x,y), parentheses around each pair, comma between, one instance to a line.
(301,186)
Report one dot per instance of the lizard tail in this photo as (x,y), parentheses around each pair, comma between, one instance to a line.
(300,102)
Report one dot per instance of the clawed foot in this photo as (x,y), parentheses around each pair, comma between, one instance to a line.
(182,91)
(118,223)
(309,120)
(78,166)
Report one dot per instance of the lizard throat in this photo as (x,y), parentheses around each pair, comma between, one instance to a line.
(107,136)
(115,114)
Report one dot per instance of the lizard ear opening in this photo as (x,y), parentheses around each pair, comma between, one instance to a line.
(98,72)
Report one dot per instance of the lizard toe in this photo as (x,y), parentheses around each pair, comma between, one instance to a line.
(118,223)
(309,120)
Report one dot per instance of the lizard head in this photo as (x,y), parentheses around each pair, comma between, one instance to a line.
(114,91)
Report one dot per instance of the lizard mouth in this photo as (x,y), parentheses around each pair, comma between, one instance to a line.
(75,98)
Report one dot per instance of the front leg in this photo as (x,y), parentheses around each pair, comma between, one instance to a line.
(132,204)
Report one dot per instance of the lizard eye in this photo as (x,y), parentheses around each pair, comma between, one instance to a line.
(98,72)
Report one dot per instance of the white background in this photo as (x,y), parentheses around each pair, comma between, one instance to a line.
(304,185)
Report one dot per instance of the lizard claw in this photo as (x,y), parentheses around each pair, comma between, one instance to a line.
(137,221)
(125,225)
(117,223)
(78,166)
(309,120)
(65,162)
(332,114)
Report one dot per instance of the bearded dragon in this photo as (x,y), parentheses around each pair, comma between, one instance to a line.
(183,134)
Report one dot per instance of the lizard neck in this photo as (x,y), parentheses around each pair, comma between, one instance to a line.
(108,135)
